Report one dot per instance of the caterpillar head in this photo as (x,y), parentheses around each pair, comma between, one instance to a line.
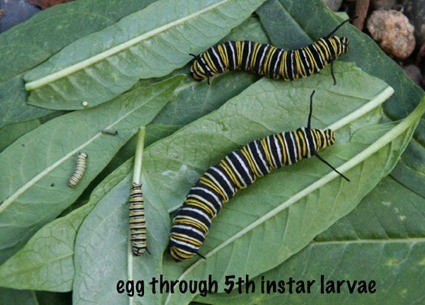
(198,69)
(342,45)
(338,44)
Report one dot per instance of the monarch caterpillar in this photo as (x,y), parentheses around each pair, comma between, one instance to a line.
(270,61)
(137,220)
(79,169)
(236,171)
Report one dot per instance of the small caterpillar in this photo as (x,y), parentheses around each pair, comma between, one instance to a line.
(236,171)
(79,169)
(137,220)
(110,132)
(267,60)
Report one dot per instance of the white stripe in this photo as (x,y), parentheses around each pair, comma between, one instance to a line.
(318,54)
(246,169)
(277,63)
(235,171)
(279,148)
(292,64)
(307,141)
(262,57)
(314,140)
(204,201)
(182,243)
(218,59)
(195,188)
(253,159)
(270,151)
(188,228)
(294,145)
(224,178)
(199,212)
(248,57)
(205,64)
(288,157)
(219,186)
(261,157)
(306,60)
(233,55)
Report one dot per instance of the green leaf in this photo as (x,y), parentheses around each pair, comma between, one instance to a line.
(37,189)
(288,16)
(295,205)
(150,43)
(17,297)
(47,260)
(13,131)
(30,43)
(381,240)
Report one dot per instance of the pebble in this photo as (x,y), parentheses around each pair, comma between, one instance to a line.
(334,5)
(415,10)
(14,12)
(414,73)
(393,32)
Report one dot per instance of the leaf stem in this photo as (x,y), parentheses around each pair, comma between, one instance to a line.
(139,155)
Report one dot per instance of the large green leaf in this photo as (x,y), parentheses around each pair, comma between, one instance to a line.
(32,42)
(37,190)
(288,16)
(150,43)
(381,240)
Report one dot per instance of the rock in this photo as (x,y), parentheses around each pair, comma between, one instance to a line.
(14,12)
(415,10)
(414,73)
(393,32)
(333,4)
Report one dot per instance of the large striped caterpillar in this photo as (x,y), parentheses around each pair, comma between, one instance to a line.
(236,171)
(267,60)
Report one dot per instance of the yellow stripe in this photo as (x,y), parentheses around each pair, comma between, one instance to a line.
(186,221)
(228,169)
(209,62)
(215,187)
(297,141)
(251,162)
(303,141)
(240,45)
(283,69)
(283,144)
(266,149)
(313,62)
(188,240)
(254,53)
(200,204)
(222,51)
